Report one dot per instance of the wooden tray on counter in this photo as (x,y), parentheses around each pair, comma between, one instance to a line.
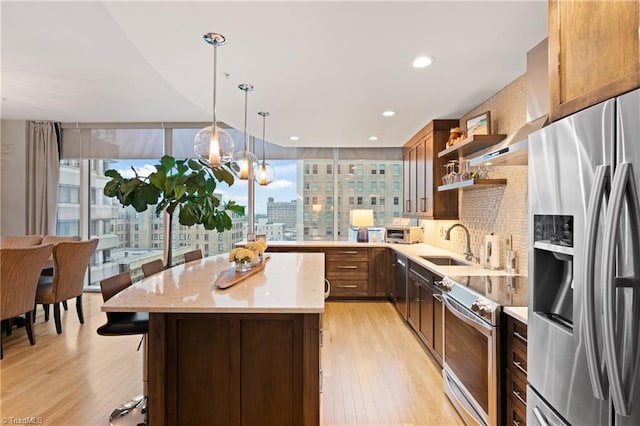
(231,277)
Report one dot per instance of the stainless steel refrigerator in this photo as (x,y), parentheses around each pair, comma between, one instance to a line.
(584,268)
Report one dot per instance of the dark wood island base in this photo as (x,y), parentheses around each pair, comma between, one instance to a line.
(234,369)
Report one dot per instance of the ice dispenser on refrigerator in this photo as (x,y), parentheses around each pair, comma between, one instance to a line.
(553,262)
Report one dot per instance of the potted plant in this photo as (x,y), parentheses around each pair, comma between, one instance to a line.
(188,185)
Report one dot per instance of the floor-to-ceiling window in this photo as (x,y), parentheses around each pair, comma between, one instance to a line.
(310,199)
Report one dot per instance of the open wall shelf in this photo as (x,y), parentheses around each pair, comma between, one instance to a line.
(472,183)
(471,145)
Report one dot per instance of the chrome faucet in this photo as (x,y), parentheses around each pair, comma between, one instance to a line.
(467,254)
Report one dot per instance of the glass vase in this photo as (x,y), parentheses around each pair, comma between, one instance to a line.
(243,266)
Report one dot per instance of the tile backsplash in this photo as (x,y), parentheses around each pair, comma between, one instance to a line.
(501,210)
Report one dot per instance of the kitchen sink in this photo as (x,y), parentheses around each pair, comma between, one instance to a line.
(444,260)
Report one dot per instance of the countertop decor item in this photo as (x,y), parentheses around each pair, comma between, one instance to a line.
(244,160)
(212,144)
(233,276)
(258,247)
(242,255)
(362,219)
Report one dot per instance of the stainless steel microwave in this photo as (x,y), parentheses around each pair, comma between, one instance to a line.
(404,234)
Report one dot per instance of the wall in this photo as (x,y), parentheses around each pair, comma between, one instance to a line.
(13,188)
(498,209)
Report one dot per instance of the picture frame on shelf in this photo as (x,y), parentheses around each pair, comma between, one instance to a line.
(479,125)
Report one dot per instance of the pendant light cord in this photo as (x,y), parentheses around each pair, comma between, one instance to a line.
(215,73)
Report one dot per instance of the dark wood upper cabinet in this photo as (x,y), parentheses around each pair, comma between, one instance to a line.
(594,53)
(423,172)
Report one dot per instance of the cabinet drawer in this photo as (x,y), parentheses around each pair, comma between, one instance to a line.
(517,364)
(341,288)
(347,254)
(517,390)
(515,415)
(347,268)
(517,335)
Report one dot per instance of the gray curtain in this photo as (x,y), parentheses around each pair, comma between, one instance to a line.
(42,177)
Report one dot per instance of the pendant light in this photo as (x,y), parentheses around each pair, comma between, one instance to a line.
(263,173)
(244,160)
(212,144)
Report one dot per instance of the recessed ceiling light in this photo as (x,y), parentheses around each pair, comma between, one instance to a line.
(422,61)
(293,138)
(388,113)
(373,138)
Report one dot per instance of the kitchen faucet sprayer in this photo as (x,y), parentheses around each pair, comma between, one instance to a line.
(468,255)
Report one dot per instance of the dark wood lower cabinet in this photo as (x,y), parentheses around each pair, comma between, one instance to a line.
(234,369)
(515,371)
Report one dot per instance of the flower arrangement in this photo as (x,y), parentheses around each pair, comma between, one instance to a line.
(242,255)
(258,246)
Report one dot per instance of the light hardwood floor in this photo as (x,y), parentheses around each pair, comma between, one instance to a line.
(375,370)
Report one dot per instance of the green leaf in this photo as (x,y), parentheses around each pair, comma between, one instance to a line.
(182,168)
(112,174)
(223,175)
(138,202)
(168,162)
(157,179)
(151,194)
(111,188)
(180,190)
(194,165)
(187,216)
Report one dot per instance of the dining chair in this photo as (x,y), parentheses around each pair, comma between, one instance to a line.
(70,262)
(122,324)
(153,267)
(14,241)
(19,271)
(192,255)
(55,239)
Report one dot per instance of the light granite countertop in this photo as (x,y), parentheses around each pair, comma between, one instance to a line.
(412,251)
(290,283)
(517,312)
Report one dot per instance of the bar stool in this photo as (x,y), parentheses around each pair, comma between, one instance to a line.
(134,411)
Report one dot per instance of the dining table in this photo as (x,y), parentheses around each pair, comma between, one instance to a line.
(246,354)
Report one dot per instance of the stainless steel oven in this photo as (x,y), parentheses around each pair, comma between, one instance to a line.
(471,374)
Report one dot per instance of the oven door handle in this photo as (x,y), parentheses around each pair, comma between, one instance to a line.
(456,309)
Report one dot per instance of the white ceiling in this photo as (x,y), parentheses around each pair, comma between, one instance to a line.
(325,70)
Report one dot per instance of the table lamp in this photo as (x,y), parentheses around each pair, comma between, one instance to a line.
(362,219)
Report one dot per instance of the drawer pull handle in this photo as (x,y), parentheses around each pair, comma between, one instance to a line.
(321,338)
(520,336)
(519,398)
(518,365)
(348,252)
(321,379)
(348,286)
(347,267)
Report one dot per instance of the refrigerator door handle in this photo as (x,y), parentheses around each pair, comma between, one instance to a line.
(623,186)
(594,361)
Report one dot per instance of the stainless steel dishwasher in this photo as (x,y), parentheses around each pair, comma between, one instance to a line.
(399,289)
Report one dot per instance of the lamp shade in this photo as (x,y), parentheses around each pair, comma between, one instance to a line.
(361,218)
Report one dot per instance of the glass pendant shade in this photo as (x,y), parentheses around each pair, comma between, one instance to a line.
(263,174)
(244,161)
(215,147)
(212,144)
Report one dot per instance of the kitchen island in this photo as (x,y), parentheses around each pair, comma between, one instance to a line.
(248,354)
